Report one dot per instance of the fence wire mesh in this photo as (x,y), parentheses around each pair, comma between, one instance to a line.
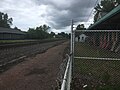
(100,73)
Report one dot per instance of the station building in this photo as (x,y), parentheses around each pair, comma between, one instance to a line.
(11,34)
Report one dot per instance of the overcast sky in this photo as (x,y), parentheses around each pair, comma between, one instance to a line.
(55,13)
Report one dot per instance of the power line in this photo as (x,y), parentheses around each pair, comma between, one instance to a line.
(92,11)
(77,19)
(87,19)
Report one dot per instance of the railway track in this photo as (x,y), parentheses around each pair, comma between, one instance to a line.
(17,44)
(14,53)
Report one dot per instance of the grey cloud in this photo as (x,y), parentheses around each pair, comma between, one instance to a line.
(75,9)
(58,13)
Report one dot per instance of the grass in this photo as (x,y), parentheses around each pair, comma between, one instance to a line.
(20,41)
(102,75)
(85,50)
(98,69)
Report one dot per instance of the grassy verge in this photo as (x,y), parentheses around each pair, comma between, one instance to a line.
(13,41)
(96,74)
(82,49)
(22,41)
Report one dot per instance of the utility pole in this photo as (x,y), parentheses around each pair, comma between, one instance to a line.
(71,37)
(72,46)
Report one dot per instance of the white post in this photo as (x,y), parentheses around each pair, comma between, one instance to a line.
(72,46)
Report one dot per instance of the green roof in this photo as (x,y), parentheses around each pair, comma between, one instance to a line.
(107,16)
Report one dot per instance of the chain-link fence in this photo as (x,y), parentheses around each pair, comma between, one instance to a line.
(96,60)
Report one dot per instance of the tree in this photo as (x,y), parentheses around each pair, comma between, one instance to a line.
(16,28)
(5,21)
(105,6)
(98,9)
(80,27)
(52,34)
(117,2)
(40,32)
(63,35)
(45,28)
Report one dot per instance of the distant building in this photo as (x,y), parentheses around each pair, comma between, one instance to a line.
(11,34)
(81,38)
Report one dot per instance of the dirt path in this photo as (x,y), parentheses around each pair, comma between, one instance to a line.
(36,73)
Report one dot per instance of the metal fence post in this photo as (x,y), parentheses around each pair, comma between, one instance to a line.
(69,68)
(71,57)
(73,47)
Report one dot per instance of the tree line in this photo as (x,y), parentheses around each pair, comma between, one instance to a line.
(40,32)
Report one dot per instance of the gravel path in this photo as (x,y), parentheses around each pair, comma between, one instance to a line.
(35,73)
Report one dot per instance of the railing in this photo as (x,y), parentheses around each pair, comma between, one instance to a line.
(67,76)
(70,64)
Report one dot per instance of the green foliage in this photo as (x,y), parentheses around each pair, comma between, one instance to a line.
(80,27)
(16,28)
(105,6)
(52,34)
(106,77)
(63,35)
(5,21)
(118,2)
(40,32)
(97,74)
